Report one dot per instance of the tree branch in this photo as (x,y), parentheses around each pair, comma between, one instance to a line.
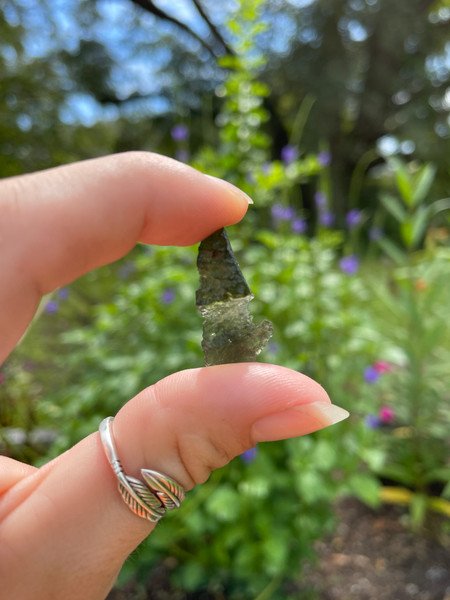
(148,6)
(212,27)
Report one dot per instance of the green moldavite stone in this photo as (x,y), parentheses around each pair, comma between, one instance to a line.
(229,334)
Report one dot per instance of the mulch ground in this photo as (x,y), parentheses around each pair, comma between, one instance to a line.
(371,556)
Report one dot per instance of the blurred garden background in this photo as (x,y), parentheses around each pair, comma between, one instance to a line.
(334,116)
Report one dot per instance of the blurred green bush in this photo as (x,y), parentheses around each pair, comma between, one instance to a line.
(257,519)
(374,333)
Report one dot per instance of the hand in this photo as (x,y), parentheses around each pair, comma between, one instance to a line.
(64,529)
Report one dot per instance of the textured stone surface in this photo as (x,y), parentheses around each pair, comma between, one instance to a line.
(229,334)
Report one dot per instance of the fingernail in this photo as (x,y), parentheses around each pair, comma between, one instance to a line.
(325,411)
(232,188)
(297,420)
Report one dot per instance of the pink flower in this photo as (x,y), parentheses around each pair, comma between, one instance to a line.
(386,414)
(382,366)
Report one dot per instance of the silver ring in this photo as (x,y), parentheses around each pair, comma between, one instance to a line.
(149,500)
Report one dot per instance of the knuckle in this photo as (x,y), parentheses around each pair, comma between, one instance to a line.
(201,454)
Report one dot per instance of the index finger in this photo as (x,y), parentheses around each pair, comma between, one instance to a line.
(56,225)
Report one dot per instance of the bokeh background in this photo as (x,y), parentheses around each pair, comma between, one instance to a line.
(334,115)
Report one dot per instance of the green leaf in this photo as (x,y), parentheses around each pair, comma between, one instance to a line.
(403,180)
(406,233)
(192,575)
(393,206)
(418,510)
(387,299)
(374,457)
(392,250)
(260,89)
(229,62)
(446,491)
(268,238)
(439,206)
(419,224)
(224,504)
(325,455)
(397,473)
(276,550)
(433,336)
(366,488)
(422,183)
(439,474)
(311,487)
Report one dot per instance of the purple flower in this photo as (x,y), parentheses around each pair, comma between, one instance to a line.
(249,455)
(63,293)
(326,218)
(51,307)
(324,159)
(282,213)
(375,233)
(353,218)
(349,264)
(289,153)
(372,421)
(182,155)
(168,296)
(320,199)
(180,133)
(298,225)
(126,269)
(273,348)
(371,375)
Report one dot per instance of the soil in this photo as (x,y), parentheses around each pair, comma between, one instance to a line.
(371,556)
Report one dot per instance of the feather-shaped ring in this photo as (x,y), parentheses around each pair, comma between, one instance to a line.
(149,499)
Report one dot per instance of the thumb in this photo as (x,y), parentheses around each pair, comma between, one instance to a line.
(188,424)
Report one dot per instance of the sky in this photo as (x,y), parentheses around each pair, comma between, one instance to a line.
(58,24)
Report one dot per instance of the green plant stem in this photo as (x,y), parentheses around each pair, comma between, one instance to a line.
(358,175)
(301,118)
(270,588)
(416,374)
(319,366)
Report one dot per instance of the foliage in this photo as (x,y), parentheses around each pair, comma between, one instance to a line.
(374,69)
(412,213)
(414,304)
(376,335)
(282,498)
(369,70)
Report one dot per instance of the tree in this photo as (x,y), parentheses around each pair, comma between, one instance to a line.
(374,68)
(364,69)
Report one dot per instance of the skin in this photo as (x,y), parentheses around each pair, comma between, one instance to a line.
(64,530)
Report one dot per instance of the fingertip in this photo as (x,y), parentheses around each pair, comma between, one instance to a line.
(194,203)
(235,192)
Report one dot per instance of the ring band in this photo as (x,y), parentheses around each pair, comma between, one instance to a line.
(149,500)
